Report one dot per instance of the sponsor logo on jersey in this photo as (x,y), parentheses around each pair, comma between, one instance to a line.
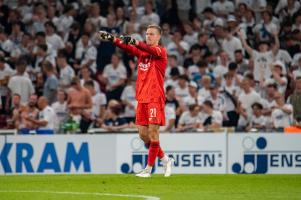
(144,66)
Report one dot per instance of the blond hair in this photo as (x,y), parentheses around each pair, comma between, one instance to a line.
(155,27)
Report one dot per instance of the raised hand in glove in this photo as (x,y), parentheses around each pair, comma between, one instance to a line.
(128,40)
(103,35)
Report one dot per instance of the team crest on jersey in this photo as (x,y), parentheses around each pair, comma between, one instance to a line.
(144,66)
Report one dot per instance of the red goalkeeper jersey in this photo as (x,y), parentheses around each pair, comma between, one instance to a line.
(152,63)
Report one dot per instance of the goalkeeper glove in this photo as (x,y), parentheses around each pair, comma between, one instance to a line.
(103,35)
(128,40)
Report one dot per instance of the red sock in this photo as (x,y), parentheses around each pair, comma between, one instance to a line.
(153,152)
(160,152)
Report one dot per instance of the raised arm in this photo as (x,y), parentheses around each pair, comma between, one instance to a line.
(277,45)
(155,51)
(131,49)
(152,50)
(244,43)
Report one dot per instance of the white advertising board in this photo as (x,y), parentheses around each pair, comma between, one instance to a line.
(193,153)
(264,153)
(57,154)
(209,153)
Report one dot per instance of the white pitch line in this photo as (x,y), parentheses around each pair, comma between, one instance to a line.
(82,193)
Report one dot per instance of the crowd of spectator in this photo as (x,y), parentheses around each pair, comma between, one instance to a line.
(230,63)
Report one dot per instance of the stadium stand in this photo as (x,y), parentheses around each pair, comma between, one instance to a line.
(231,64)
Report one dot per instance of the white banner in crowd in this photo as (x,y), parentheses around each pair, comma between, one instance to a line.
(264,153)
(216,153)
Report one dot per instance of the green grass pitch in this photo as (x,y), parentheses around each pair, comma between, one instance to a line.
(203,187)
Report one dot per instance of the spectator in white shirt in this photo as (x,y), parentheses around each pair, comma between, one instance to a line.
(191,37)
(242,63)
(150,17)
(282,114)
(212,119)
(228,85)
(21,84)
(166,36)
(229,94)
(182,88)
(5,43)
(64,22)
(190,120)
(131,31)
(192,97)
(86,53)
(223,7)
(40,38)
(16,33)
(114,77)
(178,45)
(258,121)
(60,108)
(284,57)
(191,63)
(54,39)
(278,77)
(220,70)
(262,58)
(132,19)
(210,17)
(66,71)
(267,28)
(95,18)
(204,92)
(248,96)
(232,70)
(217,100)
(231,44)
(271,89)
(47,117)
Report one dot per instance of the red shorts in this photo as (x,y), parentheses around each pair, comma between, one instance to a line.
(150,113)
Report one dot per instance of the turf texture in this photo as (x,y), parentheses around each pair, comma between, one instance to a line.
(186,187)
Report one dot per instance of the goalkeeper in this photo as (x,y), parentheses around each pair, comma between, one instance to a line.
(152,61)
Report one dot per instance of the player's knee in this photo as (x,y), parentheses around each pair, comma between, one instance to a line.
(144,137)
(153,133)
(143,134)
